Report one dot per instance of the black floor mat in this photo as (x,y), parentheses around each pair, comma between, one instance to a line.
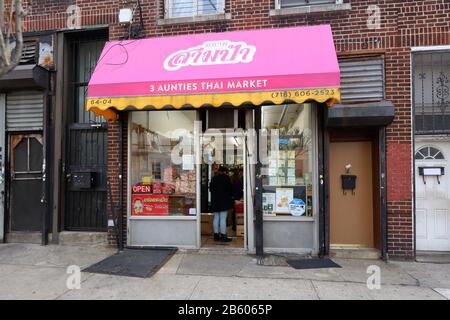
(313,264)
(140,263)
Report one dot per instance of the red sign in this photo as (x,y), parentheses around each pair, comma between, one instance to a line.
(142,188)
(149,205)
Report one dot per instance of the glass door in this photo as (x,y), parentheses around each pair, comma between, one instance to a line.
(223,148)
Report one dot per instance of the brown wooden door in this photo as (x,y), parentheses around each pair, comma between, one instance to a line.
(351,214)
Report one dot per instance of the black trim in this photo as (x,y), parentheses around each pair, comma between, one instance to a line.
(24,77)
(361,115)
(259,239)
(322,144)
(383,192)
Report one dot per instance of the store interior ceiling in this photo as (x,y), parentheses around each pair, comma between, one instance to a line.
(277,116)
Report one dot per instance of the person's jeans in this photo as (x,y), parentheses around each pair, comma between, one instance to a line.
(222,216)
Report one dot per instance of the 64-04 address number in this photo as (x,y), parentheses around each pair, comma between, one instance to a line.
(245,309)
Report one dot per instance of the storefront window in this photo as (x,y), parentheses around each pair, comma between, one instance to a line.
(163,177)
(287,172)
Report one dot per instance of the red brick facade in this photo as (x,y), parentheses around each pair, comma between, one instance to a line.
(404,24)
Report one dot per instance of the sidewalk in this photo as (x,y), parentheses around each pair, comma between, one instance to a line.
(36,272)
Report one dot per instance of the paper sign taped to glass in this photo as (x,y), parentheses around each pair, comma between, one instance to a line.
(297,207)
(150,205)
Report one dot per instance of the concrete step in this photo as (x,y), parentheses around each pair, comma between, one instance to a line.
(433,257)
(355,253)
(24,237)
(83,238)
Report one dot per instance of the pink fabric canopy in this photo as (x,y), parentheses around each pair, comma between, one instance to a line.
(257,60)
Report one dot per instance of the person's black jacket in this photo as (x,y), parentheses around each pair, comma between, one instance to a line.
(221,193)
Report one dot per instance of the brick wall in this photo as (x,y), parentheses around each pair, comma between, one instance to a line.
(114,171)
(403,24)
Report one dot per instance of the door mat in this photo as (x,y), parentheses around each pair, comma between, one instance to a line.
(313,264)
(140,263)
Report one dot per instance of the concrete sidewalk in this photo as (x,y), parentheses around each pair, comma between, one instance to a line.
(36,272)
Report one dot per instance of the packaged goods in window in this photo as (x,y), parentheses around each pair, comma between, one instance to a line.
(291,164)
(157,187)
(273,181)
(147,180)
(273,163)
(169,174)
(309,212)
(185,186)
(272,171)
(188,175)
(291,181)
(168,188)
(149,205)
(176,205)
(291,154)
(189,205)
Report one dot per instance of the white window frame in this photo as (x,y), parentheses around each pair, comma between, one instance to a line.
(168,9)
(278,4)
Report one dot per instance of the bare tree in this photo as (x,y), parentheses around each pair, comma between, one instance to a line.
(11,39)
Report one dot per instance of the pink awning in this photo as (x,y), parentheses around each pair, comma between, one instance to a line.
(259,66)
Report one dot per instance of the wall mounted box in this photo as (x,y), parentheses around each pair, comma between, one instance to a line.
(82,180)
(348,182)
(431,171)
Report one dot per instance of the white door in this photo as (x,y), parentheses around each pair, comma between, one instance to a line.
(2,165)
(433,197)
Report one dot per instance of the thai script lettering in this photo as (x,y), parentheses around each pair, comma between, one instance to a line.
(211,53)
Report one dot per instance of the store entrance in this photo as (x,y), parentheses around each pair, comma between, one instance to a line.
(223,154)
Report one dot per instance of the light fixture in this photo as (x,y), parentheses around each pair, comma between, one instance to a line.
(126,16)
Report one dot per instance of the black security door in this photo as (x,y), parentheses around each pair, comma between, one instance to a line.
(86,148)
(26,191)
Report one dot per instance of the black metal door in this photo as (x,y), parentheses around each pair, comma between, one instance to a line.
(86,178)
(86,146)
(26,158)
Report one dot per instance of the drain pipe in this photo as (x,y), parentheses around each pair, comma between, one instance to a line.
(47,136)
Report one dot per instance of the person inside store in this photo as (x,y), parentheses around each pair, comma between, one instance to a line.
(221,201)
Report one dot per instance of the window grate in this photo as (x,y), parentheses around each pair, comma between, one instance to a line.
(362,79)
(431,92)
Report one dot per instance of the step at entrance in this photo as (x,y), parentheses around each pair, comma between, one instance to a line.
(83,238)
(355,253)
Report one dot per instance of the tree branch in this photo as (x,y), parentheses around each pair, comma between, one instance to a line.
(10,58)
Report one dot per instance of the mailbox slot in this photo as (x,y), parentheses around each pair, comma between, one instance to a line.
(82,180)
(431,172)
(348,183)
